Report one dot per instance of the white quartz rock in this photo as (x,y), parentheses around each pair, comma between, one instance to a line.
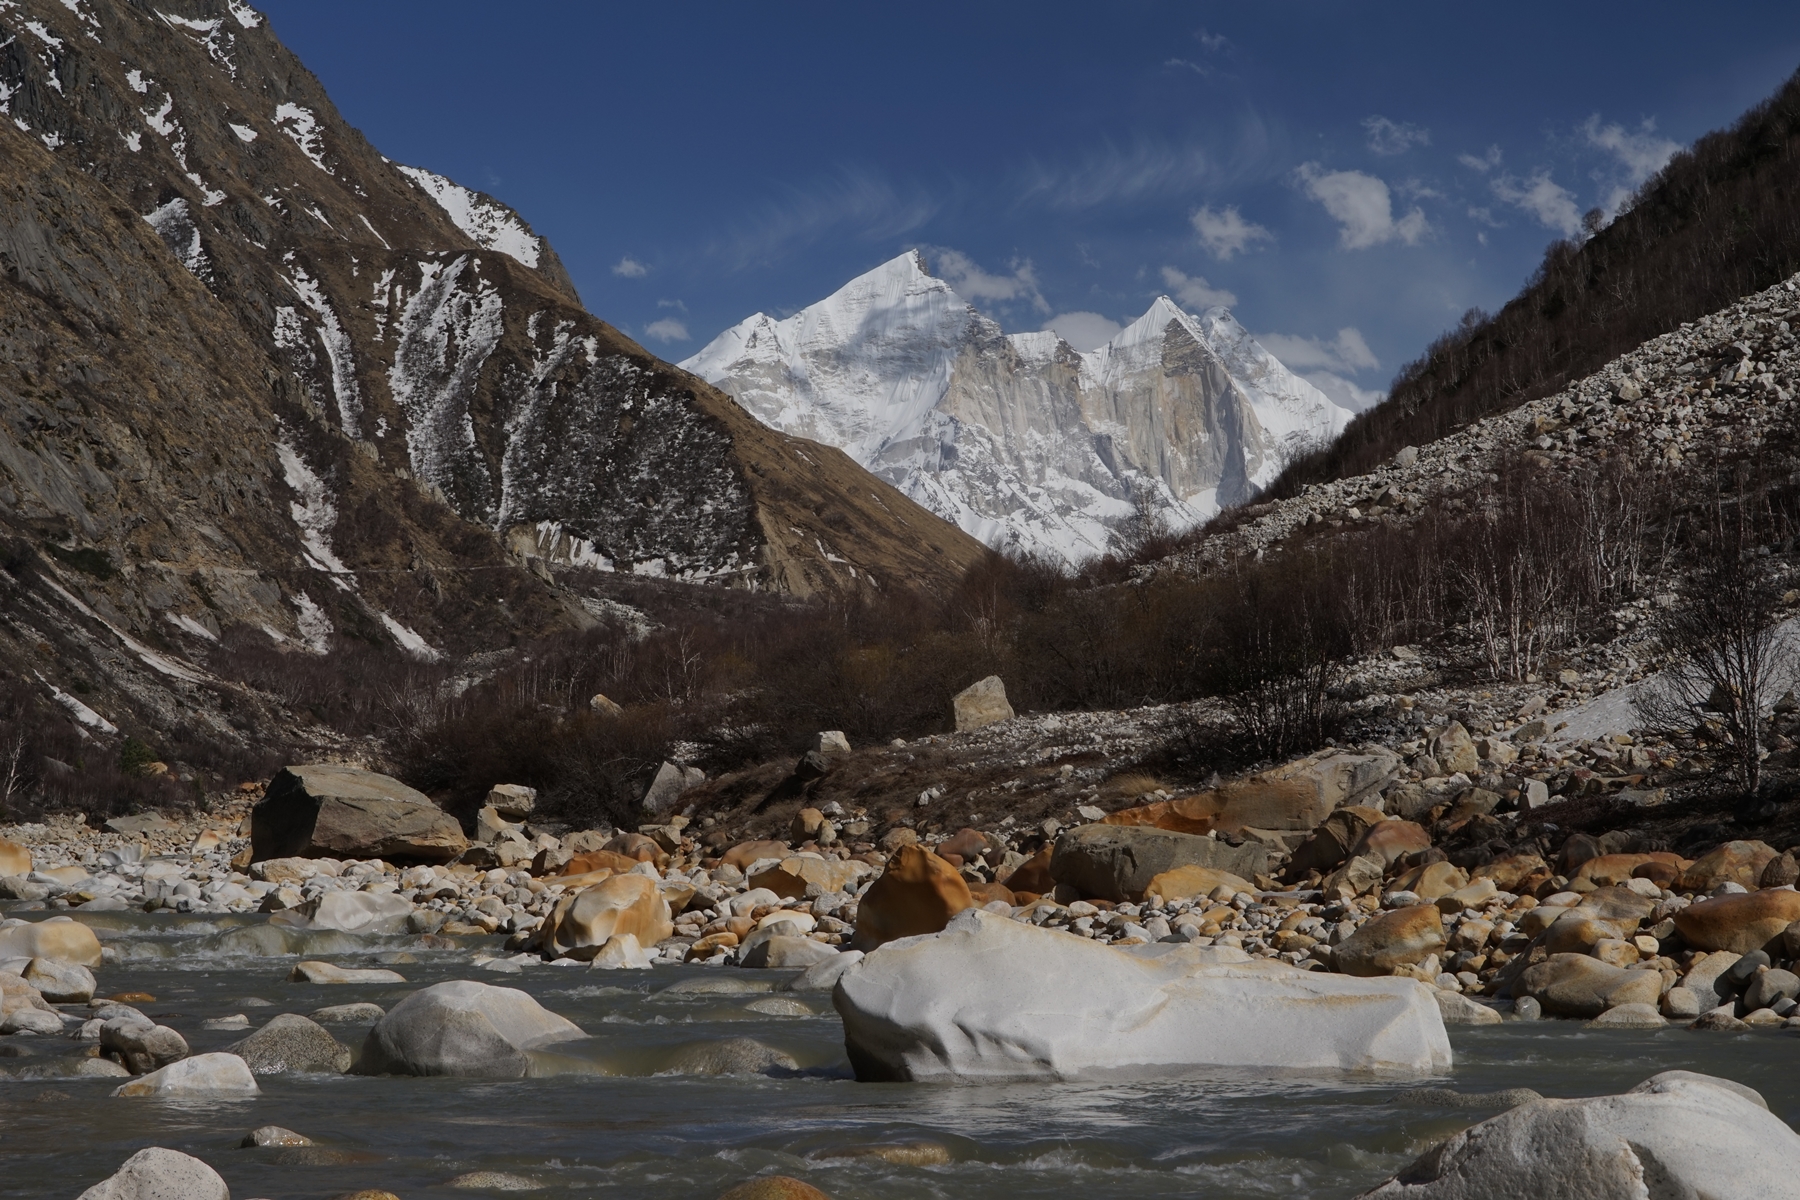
(994,998)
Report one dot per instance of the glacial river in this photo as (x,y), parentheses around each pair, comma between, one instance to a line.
(604,1119)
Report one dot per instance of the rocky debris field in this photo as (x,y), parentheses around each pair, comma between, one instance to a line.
(1709,393)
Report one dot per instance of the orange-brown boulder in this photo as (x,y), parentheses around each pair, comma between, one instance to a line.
(917,893)
(1391,841)
(1191,880)
(987,893)
(14,858)
(1741,923)
(639,848)
(1516,873)
(1662,874)
(583,922)
(1295,796)
(774,1187)
(745,854)
(1032,875)
(1398,938)
(598,860)
(967,844)
(1734,862)
(1609,869)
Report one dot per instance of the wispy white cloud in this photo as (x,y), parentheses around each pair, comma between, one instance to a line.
(1362,206)
(1484,163)
(1394,137)
(1083,330)
(630,268)
(1194,291)
(852,200)
(1348,351)
(1545,200)
(677,305)
(1343,392)
(1637,154)
(668,329)
(1111,174)
(1213,43)
(1225,233)
(972,283)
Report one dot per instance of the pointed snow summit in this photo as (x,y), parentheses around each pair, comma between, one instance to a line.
(1019,439)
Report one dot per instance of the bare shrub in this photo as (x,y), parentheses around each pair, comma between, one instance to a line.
(1724,632)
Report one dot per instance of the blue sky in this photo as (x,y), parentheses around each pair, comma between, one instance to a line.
(1348,177)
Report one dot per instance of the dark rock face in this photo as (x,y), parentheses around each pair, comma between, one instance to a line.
(1117,862)
(345,812)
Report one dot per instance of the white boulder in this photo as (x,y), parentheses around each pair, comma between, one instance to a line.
(1676,1134)
(159,1174)
(993,998)
(201,1075)
(462,1028)
(349,912)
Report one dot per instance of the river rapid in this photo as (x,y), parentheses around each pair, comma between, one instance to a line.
(611,1115)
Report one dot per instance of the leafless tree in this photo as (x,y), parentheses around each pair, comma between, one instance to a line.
(1730,651)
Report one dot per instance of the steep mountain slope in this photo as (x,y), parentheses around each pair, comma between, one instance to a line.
(1018,439)
(430,334)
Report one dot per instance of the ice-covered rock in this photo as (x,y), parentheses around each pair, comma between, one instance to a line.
(993,998)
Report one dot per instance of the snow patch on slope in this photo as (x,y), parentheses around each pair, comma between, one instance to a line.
(488,223)
(303,127)
(313,512)
(444,336)
(340,352)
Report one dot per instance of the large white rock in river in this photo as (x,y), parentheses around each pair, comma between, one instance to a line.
(1676,1135)
(462,1028)
(992,998)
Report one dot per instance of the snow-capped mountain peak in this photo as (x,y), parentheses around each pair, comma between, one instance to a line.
(1018,439)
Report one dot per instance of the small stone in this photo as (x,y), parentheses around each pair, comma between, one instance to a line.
(774,1187)
(1528,1009)
(1720,1021)
(1680,1004)
(495,1181)
(349,1014)
(324,972)
(274,1135)
(1629,1016)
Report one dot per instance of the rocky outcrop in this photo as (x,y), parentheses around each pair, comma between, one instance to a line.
(990,998)
(345,812)
(1675,1134)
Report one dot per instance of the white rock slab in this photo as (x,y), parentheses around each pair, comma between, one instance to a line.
(992,998)
(1677,1134)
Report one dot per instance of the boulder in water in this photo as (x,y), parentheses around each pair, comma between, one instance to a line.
(992,998)
(60,982)
(730,1056)
(584,922)
(61,938)
(349,912)
(1680,1133)
(917,893)
(201,1075)
(324,972)
(291,1044)
(159,1174)
(462,1028)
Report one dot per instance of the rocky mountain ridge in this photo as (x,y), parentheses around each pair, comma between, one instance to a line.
(1018,439)
(260,382)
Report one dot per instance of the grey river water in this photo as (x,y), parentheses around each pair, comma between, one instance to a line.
(603,1119)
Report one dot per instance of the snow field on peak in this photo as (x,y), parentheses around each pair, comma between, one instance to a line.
(489,224)
(1017,439)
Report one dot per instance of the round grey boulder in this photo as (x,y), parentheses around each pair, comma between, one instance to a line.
(159,1174)
(463,1028)
(293,1045)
